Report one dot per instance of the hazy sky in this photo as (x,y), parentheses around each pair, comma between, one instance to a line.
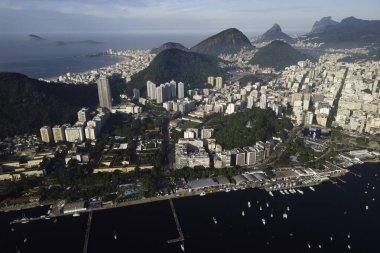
(39,16)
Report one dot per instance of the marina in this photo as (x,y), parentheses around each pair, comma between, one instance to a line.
(217,221)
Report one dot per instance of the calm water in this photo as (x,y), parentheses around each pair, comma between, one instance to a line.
(47,59)
(312,219)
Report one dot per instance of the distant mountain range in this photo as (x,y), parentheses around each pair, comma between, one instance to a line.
(175,64)
(349,30)
(229,41)
(274,33)
(27,104)
(169,45)
(278,55)
(323,24)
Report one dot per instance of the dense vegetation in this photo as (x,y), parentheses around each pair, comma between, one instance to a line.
(278,55)
(231,131)
(174,64)
(27,104)
(229,41)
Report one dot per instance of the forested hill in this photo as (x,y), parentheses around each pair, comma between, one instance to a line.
(232,132)
(27,104)
(175,64)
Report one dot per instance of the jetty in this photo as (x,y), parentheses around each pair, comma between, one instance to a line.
(180,238)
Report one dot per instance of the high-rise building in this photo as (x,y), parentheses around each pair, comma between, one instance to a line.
(46,134)
(219,82)
(75,133)
(83,114)
(59,133)
(104,92)
(181,90)
(151,90)
(173,86)
(90,132)
(167,92)
(309,116)
(263,101)
(250,155)
(136,93)
(211,80)
(160,94)
(251,102)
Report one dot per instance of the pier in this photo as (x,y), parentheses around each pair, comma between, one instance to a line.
(180,238)
(88,229)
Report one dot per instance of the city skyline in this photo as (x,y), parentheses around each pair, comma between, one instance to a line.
(157,16)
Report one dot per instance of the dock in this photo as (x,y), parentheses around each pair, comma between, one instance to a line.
(180,238)
(88,229)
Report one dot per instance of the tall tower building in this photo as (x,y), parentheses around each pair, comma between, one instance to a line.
(151,90)
(104,92)
(83,114)
(181,90)
(173,86)
(219,82)
(59,133)
(46,134)
(211,80)
(160,94)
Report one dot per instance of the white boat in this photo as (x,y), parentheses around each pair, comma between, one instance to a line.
(312,188)
(271,215)
(319,246)
(242,213)
(349,246)
(349,236)
(282,192)
(365,192)
(227,190)
(366,207)
(49,211)
(12,229)
(182,247)
(267,204)
(214,219)
(331,238)
(285,216)
(114,235)
(309,246)
(263,221)
(373,188)
(293,191)
(288,208)
(271,194)
(76,214)
(249,204)
(25,240)
(202,194)
(286,192)
(373,199)
(261,208)
(300,191)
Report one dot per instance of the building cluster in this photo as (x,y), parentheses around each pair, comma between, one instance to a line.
(359,104)
(83,129)
(133,61)
(198,148)
(171,95)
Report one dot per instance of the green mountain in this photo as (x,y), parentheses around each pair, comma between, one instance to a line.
(278,55)
(27,104)
(175,64)
(228,41)
(168,45)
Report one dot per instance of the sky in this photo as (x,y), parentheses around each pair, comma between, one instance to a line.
(187,16)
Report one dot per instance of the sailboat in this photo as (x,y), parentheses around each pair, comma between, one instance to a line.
(271,214)
(267,204)
(114,235)
(249,204)
(309,246)
(288,208)
(349,236)
(263,221)
(366,207)
(271,194)
(349,246)
(261,208)
(25,239)
(183,247)
(331,238)
(242,213)
(214,219)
